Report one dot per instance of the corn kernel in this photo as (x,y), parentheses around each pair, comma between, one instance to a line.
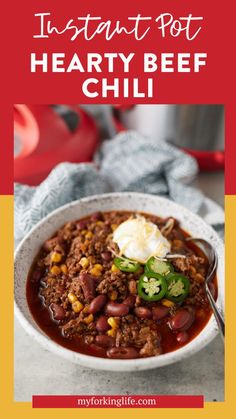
(56,257)
(55,270)
(84,262)
(114,268)
(112,322)
(199,278)
(89,235)
(192,270)
(83,232)
(114,227)
(86,309)
(72,297)
(111,332)
(77,306)
(64,269)
(98,266)
(113,296)
(100,223)
(95,271)
(84,246)
(91,260)
(167,303)
(88,319)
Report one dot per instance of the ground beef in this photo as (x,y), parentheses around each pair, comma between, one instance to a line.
(185,265)
(139,334)
(114,282)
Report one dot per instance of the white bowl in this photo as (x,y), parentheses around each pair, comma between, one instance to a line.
(29,247)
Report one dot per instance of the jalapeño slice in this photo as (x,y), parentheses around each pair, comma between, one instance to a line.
(158,266)
(126,265)
(152,286)
(177,287)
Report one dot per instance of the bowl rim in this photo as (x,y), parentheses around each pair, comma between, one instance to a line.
(94,362)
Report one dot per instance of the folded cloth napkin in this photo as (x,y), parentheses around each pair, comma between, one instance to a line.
(129,162)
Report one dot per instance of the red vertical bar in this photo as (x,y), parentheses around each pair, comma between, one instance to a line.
(6,149)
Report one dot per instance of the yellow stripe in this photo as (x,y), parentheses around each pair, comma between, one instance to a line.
(6,297)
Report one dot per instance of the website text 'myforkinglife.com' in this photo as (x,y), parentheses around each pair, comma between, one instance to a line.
(116,401)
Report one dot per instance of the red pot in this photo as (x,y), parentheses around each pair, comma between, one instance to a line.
(44,139)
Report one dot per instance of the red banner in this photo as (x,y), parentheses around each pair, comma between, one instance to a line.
(110,401)
(213,83)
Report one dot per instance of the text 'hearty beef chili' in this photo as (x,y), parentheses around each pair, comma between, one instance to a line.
(120,285)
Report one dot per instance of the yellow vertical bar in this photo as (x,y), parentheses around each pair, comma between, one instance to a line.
(6,296)
(230,293)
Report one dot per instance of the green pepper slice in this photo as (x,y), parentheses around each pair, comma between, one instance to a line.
(152,286)
(126,265)
(177,287)
(158,266)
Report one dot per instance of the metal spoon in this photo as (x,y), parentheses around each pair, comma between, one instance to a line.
(210,253)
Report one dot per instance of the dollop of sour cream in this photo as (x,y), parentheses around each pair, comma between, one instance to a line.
(139,239)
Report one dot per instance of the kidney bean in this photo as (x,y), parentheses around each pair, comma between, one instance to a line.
(130,300)
(102,325)
(159,312)
(143,312)
(106,256)
(105,341)
(182,320)
(122,353)
(96,216)
(88,285)
(58,311)
(97,303)
(182,337)
(81,225)
(97,349)
(116,309)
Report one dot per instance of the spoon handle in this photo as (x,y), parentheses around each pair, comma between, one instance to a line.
(217,314)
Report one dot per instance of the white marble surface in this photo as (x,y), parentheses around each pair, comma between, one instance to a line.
(37,371)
